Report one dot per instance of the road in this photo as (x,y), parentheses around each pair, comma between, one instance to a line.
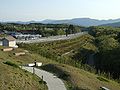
(52,81)
(53,38)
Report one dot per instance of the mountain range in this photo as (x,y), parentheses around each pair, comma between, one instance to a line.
(84,22)
(116,24)
(77,21)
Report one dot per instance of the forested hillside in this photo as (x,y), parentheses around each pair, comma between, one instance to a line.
(107,59)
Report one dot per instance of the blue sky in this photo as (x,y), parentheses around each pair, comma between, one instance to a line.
(26,10)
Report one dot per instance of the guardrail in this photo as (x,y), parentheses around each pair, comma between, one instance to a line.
(52,38)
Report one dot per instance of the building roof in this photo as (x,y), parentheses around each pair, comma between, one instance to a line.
(10,38)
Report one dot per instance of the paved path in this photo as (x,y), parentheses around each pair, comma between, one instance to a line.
(53,38)
(52,81)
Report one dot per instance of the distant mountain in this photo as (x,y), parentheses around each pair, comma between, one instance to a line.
(117,24)
(21,22)
(81,21)
(75,21)
(18,22)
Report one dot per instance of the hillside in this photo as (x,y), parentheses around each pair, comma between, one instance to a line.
(76,78)
(14,78)
(63,51)
(60,58)
(62,63)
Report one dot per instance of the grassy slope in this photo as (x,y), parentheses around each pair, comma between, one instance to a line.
(81,78)
(78,77)
(61,47)
(62,51)
(12,78)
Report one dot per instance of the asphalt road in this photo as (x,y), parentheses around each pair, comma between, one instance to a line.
(52,81)
(52,38)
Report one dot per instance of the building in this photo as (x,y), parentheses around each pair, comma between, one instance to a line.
(9,41)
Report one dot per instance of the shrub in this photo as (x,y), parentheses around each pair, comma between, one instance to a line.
(11,64)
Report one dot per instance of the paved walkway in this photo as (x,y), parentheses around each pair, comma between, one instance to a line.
(52,81)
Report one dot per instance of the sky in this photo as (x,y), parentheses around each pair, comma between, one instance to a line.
(27,10)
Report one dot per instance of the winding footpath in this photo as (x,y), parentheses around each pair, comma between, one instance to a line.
(53,82)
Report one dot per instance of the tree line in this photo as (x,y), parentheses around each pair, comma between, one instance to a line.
(43,29)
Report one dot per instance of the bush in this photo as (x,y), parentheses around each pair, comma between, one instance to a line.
(42,82)
(11,64)
(56,70)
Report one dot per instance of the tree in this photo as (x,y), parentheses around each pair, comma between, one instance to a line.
(107,43)
(71,29)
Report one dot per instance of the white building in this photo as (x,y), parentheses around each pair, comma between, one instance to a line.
(9,41)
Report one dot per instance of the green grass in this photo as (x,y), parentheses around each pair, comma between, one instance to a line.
(102,79)
(17,79)
(58,72)
(78,79)
(60,47)
(14,78)
(57,50)
(74,78)
(11,64)
(50,53)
